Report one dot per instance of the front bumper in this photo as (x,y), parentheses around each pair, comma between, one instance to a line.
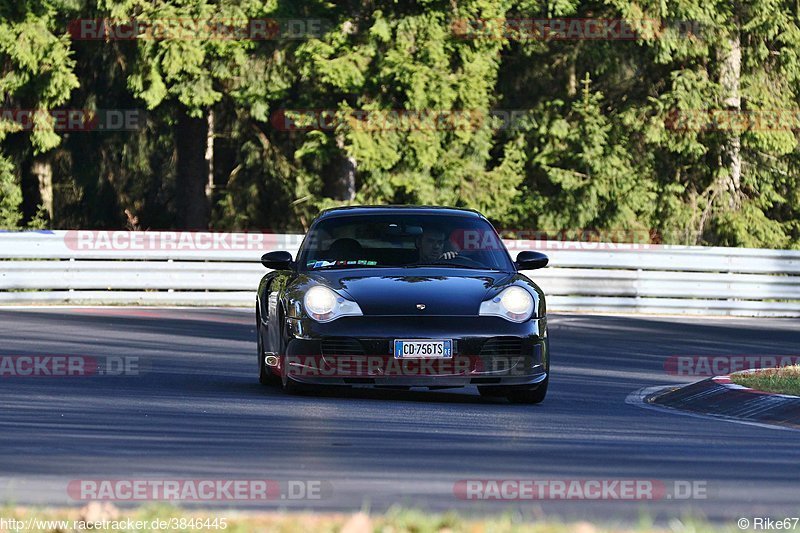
(358,351)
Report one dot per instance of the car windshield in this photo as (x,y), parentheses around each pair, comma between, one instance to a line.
(403,240)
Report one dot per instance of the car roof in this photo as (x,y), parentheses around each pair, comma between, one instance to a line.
(393,209)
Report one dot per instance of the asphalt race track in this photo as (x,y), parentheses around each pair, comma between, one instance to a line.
(196,411)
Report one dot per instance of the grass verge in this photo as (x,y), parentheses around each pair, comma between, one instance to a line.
(784,380)
(100,517)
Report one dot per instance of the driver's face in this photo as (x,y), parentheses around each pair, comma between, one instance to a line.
(432,245)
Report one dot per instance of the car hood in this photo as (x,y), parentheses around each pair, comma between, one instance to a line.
(399,291)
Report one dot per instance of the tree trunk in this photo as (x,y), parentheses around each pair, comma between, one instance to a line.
(730,75)
(340,175)
(572,74)
(191,143)
(210,185)
(37,188)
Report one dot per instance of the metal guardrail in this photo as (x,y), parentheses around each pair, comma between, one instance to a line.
(183,268)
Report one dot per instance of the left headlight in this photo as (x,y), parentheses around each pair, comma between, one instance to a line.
(323,305)
(514,304)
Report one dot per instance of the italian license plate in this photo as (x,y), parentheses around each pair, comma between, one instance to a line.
(423,349)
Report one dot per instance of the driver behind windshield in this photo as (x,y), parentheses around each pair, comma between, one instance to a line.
(430,246)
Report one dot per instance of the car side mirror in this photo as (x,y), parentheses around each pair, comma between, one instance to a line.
(530,260)
(277,260)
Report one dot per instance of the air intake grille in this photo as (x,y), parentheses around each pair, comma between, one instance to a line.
(341,346)
(502,346)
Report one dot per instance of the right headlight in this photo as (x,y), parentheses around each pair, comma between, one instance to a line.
(323,305)
(514,304)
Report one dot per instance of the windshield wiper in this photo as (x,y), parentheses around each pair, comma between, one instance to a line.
(455,265)
(332,267)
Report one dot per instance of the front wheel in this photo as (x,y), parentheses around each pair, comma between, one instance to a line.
(529,396)
(265,375)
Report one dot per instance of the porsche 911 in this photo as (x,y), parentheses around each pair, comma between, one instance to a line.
(403,297)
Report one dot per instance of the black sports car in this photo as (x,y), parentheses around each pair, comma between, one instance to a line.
(400,297)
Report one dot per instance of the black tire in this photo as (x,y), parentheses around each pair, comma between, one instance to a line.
(529,396)
(288,385)
(265,376)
